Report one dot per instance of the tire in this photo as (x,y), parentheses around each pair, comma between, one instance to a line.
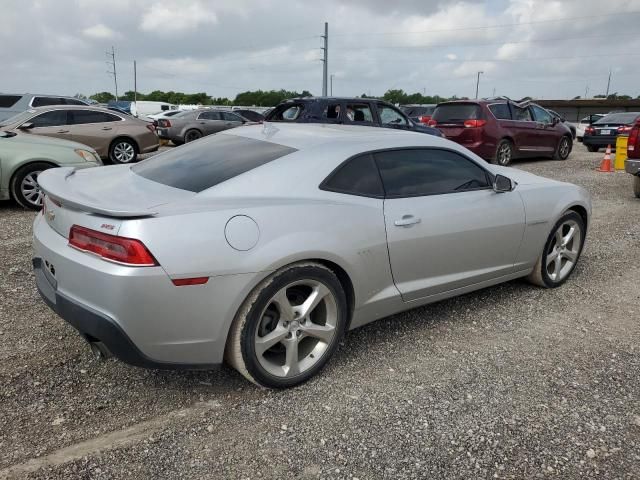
(563,149)
(177,143)
(191,135)
(504,153)
(24,188)
(123,151)
(592,148)
(275,307)
(636,186)
(566,263)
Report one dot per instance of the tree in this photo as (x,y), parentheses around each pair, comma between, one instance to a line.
(80,96)
(103,97)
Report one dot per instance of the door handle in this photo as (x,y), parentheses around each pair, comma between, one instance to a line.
(406,221)
(106,128)
(62,131)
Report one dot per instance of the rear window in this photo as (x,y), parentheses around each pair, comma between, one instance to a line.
(200,165)
(417,111)
(619,118)
(456,112)
(8,101)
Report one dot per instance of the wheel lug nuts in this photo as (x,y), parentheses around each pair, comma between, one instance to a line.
(289,335)
(298,333)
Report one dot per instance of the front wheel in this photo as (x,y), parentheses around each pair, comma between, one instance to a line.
(24,187)
(636,186)
(123,151)
(564,149)
(561,252)
(504,153)
(289,327)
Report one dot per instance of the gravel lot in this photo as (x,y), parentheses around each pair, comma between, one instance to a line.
(508,382)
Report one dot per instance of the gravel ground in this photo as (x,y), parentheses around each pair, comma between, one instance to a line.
(508,382)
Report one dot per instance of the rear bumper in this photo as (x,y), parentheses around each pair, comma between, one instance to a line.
(597,141)
(632,166)
(481,149)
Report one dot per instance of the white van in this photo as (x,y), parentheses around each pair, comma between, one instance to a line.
(142,108)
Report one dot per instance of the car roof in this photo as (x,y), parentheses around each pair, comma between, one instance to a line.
(334,99)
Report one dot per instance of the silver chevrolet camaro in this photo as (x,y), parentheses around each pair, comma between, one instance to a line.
(261,245)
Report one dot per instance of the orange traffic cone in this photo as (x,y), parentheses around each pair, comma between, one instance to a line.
(606,165)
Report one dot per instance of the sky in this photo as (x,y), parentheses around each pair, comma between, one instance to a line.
(543,49)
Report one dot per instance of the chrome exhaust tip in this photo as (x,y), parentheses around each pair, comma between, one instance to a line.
(100,351)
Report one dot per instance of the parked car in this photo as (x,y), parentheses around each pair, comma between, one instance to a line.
(500,130)
(261,245)
(12,104)
(419,113)
(585,122)
(571,126)
(250,115)
(194,124)
(115,136)
(23,157)
(632,163)
(349,111)
(163,114)
(603,132)
(143,108)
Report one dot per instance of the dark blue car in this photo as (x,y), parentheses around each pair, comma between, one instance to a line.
(347,111)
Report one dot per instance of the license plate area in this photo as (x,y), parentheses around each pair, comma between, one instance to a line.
(605,132)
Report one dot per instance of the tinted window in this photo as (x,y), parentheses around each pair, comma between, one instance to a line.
(541,114)
(358,176)
(78,117)
(210,116)
(619,118)
(390,116)
(332,112)
(47,101)
(500,111)
(73,101)
(200,165)
(7,101)
(456,112)
(407,173)
(417,111)
(231,117)
(359,113)
(522,114)
(50,119)
(251,115)
(287,112)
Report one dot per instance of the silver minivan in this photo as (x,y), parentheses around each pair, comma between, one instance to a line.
(13,103)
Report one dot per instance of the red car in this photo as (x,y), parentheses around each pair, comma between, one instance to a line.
(632,163)
(500,130)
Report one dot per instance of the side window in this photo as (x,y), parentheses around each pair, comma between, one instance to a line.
(79,117)
(541,114)
(292,113)
(164,108)
(210,116)
(408,173)
(359,113)
(390,116)
(332,112)
(358,176)
(500,111)
(50,119)
(231,117)
(47,101)
(522,114)
(73,101)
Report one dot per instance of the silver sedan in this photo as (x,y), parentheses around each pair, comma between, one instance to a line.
(262,245)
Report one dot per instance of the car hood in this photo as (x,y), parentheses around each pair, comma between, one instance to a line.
(40,140)
(521,177)
(113,191)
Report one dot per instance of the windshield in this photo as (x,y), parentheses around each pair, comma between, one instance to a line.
(19,118)
(456,112)
(619,118)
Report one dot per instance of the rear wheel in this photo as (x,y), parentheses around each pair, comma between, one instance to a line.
(636,186)
(24,186)
(122,151)
(561,252)
(563,149)
(192,135)
(289,327)
(592,148)
(504,153)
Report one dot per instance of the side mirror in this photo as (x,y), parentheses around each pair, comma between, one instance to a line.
(555,121)
(26,126)
(502,184)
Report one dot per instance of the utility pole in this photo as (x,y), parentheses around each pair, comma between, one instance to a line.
(478,83)
(494,92)
(324,59)
(135,85)
(331,84)
(608,83)
(113,72)
(586,91)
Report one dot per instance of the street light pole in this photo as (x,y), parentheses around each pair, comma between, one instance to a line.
(478,83)
(331,84)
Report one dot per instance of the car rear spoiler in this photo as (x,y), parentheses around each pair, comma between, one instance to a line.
(55,183)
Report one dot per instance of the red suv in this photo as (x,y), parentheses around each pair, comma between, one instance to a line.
(500,130)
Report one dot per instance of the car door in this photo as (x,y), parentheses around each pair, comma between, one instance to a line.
(94,128)
(523,129)
(390,117)
(53,123)
(210,122)
(231,120)
(358,114)
(446,227)
(546,134)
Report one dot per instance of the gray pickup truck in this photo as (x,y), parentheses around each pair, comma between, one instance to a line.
(632,163)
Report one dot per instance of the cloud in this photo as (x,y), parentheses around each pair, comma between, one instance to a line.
(99,31)
(451,56)
(161,18)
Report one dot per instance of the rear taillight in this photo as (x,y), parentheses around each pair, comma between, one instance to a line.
(589,131)
(151,127)
(126,251)
(432,123)
(474,123)
(164,123)
(624,129)
(634,137)
(184,282)
(424,119)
